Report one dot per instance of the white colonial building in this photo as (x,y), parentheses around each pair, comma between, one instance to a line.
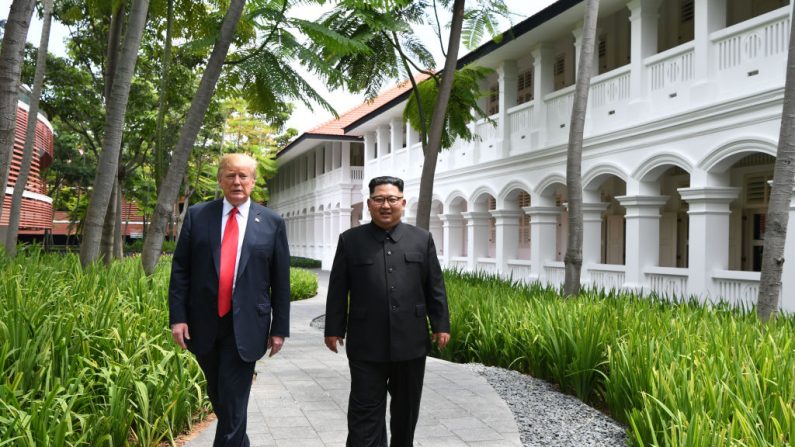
(680,138)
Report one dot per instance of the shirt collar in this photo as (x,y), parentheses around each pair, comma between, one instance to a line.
(380,233)
(242,209)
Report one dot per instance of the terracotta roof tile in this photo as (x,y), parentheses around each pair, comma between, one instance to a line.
(337,126)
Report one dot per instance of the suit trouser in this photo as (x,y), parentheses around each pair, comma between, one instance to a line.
(370,381)
(228,385)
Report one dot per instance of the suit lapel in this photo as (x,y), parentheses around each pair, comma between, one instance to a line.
(250,237)
(215,233)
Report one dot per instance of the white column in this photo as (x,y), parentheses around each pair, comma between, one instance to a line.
(382,136)
(708,239)
(396,128)
(330,241)
(642,237)
(543,237)
(543,84)
(453,231)
(709,16)
(507,236)
(506,74)
(320,241)
(644,15)
(477,236)
(335,226)
(344,219)
(346,161)
(591,235)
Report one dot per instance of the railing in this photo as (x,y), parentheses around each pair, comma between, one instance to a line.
(518,270)
(671,67)
(668,281)
(559,106)
(763,36)
(521,117)
(611,87)
(736,287)
(486,130)
(608,276)
(487,265)
(555,273)
(357,173)
(458,263)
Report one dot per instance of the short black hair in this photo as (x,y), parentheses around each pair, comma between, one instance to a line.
(385,180)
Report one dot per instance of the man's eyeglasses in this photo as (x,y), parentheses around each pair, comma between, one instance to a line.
(392,200)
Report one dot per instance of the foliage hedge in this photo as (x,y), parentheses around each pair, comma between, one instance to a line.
(86,357)
(306,263)
(303,284)
(677,374)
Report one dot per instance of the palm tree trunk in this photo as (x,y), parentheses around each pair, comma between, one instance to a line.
(161,154)
(573,259)
(108,226)
(11,54)
(30,134)
(431,150)
(112,52)
(780,197)
(111,144)
(118,236)
(167,196)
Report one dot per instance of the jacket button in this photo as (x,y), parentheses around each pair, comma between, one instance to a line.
(394,308)
(390,270)
(389,253)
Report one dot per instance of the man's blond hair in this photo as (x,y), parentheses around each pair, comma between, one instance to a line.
(243,159)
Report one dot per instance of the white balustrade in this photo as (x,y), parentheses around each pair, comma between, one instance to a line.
(559,106)
(555,273)
(458,263)
(761,37)
(736,287)
(487,265)
(610,88)
(518,270)
(521,118)
(486,130)
(607,276)
(357,173)
(667,281)
(671,67)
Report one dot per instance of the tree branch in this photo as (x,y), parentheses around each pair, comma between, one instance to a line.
(275,26)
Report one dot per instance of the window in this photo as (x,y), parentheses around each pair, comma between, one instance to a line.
(524,223)
(559,71)
(524,87)
(494,100)
(757,189)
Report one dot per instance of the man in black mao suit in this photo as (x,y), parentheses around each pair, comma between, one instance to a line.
(229,296)
(392,275)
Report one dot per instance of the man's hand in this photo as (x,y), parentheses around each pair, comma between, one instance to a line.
(179,332)
(331,342)
(275,344)
(441,338)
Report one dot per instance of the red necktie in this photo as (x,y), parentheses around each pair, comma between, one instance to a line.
(228,258)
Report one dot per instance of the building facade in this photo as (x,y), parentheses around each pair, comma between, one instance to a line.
(36,213)
(681,133)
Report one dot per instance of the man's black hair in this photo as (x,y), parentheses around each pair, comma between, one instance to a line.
(385,180)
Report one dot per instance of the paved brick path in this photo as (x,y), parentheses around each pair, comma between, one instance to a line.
(300,397)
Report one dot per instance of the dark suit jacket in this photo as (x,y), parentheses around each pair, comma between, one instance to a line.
(261,298)
(395,287)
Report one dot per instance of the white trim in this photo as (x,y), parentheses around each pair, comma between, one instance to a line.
(30,195)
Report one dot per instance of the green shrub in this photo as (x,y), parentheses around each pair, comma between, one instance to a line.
(676,374)
(303,284)
(305,263)
(86,357)
(137,245)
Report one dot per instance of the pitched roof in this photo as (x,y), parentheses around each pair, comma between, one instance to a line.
(336,127)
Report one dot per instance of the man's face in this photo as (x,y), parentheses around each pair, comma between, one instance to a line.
(385,214)
(236,181)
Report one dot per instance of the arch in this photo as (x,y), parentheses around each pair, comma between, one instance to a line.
(320,208)
(721,159)
(479,198)
(510,191)
(599,173)
(454,197)
(653,167)
(544,187)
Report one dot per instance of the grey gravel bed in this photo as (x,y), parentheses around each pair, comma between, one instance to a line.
(544,415)
(547,417)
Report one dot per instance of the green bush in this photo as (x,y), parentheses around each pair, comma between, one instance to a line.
(303,284)
(137,245)
(306,263)
(677,374)
(86,357)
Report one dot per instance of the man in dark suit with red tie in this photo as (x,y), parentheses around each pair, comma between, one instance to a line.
(385,287)
(229,296)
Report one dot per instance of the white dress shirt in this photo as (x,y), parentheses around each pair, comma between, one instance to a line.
(242,220)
